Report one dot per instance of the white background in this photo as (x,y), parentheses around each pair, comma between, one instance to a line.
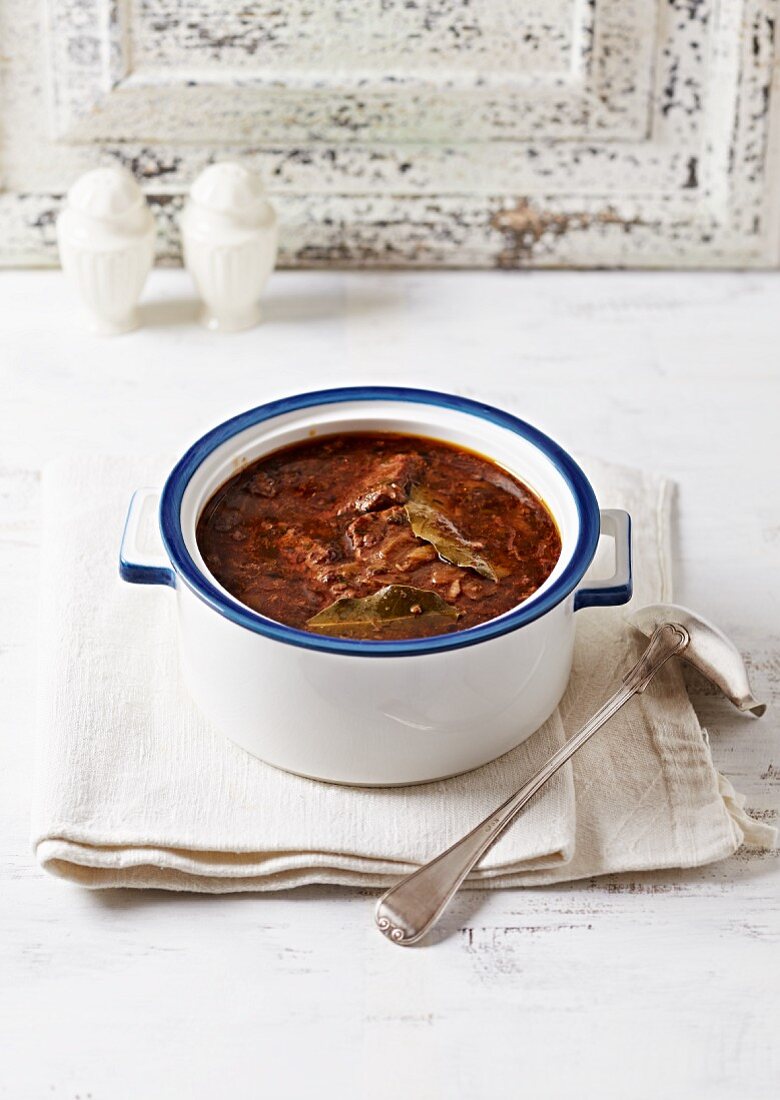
(661,985)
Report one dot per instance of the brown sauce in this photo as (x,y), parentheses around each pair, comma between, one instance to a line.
(331,519)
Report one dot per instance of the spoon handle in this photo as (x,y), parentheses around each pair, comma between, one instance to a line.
(410,909)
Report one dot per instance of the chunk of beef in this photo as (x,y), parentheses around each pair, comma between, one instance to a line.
(302,549)
(385,483)
(227,520)
(383,542)
(261,484)
(384,496)
(319,561)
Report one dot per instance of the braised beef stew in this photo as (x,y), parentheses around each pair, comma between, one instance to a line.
(378,536)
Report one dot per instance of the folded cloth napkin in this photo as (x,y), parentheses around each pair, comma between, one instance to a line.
(135,788)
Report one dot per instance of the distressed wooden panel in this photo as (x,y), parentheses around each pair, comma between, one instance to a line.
(442,132)
(394,35)
(480,69)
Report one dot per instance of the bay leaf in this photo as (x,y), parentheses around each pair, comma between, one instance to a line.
(429,523)
(393,602)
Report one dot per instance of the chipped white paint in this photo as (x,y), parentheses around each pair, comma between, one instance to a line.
(445,132)
(481,70)
(634,987)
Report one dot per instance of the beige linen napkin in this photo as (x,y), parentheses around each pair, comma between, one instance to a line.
(134,788)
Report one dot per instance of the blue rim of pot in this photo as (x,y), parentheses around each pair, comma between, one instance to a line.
(187,570)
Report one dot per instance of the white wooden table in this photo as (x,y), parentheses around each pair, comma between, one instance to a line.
(658,985)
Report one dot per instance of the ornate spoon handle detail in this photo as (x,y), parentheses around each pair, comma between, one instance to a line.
(410,909)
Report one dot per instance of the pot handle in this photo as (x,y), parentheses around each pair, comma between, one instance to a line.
(140,562)
(618,588)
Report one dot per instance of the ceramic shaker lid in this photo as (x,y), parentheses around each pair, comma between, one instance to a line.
(231,189)
(108,194)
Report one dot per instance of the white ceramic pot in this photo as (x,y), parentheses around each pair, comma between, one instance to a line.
(368,712)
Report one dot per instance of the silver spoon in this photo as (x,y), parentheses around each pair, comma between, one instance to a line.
(410,909)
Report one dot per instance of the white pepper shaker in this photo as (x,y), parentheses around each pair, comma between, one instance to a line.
(229,234)
(106,237)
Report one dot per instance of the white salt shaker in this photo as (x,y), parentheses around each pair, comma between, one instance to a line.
(106,237)
(229,234)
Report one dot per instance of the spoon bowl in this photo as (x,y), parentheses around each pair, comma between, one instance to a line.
(709,651)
